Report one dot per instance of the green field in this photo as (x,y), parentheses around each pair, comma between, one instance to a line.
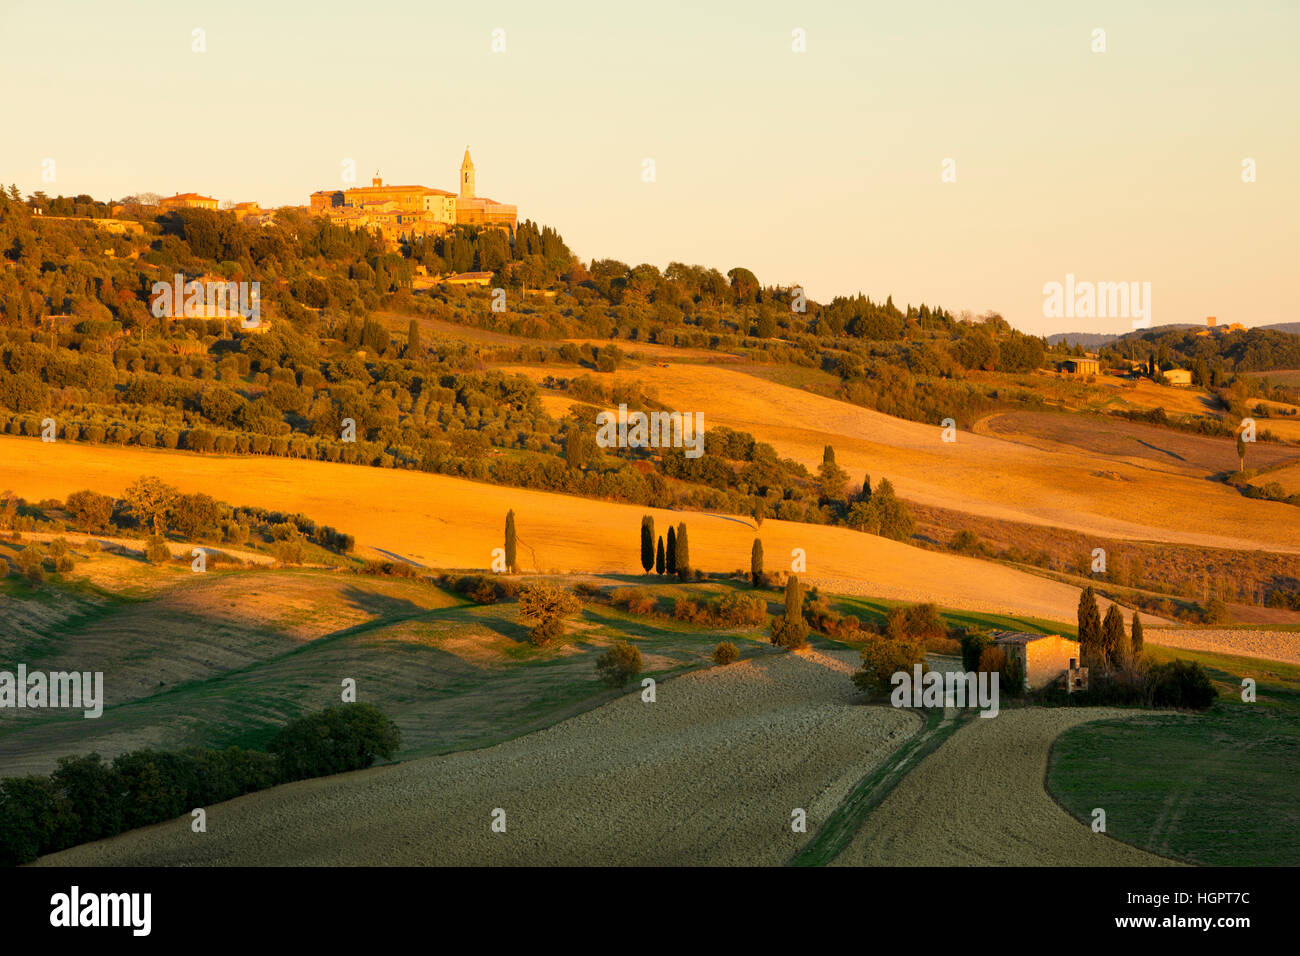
(875,610)
(1217,788)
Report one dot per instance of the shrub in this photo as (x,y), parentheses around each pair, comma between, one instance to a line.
(882,659)
(967,542)
(1183,684)
(156,551)
(96,792)
(688,609)
(619,664)
(292,551)
(30,560)
(1216,612)
(787,634)
(790,631)
(916,621)
(725,653)
(34,819)
(634,601)
(973,643)
(335,740)
(736,609)
(992,660)
(548,605)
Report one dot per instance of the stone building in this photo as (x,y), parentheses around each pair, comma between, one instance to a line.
(414,210)
(1081,366)
(188,201)
(1042,657)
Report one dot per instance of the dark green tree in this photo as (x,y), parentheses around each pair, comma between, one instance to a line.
(575,454)
(648,543)
(670,553)
(511,542)
(790,630)
(756,564)
(659,557)
(1090,646)
(1113,638)
(1135,641)
(683,553)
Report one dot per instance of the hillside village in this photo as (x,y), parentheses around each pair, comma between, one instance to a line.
(397,213)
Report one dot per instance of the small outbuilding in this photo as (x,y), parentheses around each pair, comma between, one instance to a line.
(1042,657)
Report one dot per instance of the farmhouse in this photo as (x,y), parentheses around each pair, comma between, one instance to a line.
(1178,376)
(469,278)
(188,201)
(1043,657)
(1082,366)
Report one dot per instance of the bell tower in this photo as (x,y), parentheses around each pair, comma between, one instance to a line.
(467,177)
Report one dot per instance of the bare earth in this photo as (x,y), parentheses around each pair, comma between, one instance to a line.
(1272,645)
(979,801)
(707,775)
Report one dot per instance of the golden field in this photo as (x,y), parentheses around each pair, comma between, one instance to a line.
(1058,486)
(443,522)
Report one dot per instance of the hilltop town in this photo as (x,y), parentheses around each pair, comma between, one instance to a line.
(397,212)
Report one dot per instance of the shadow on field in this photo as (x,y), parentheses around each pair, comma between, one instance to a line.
(382,606)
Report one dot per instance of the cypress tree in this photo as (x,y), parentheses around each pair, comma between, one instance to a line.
(1113,638)
(683,553)
(659,557)
(575,456)
(648,543)
(828,455)
(1090,648)
(511,542)
(794,601)
(756,563)
(1135,642)
(413,337)
(865,495)
(671,554)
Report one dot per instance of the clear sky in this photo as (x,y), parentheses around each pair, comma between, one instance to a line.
(820,168)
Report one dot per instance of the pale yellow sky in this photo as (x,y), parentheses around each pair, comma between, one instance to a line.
(821,168)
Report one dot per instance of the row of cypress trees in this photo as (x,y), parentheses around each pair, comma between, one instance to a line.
(1104,645)
(673,558)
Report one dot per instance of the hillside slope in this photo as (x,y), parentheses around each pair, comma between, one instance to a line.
(436,521)
(980,474)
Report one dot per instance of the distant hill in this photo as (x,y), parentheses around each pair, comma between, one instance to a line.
(1094,340)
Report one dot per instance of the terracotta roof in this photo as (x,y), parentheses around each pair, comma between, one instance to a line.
(387,189)
(1018,637)
(189,196)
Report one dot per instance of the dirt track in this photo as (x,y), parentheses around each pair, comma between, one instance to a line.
(707,775)
(979,801)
